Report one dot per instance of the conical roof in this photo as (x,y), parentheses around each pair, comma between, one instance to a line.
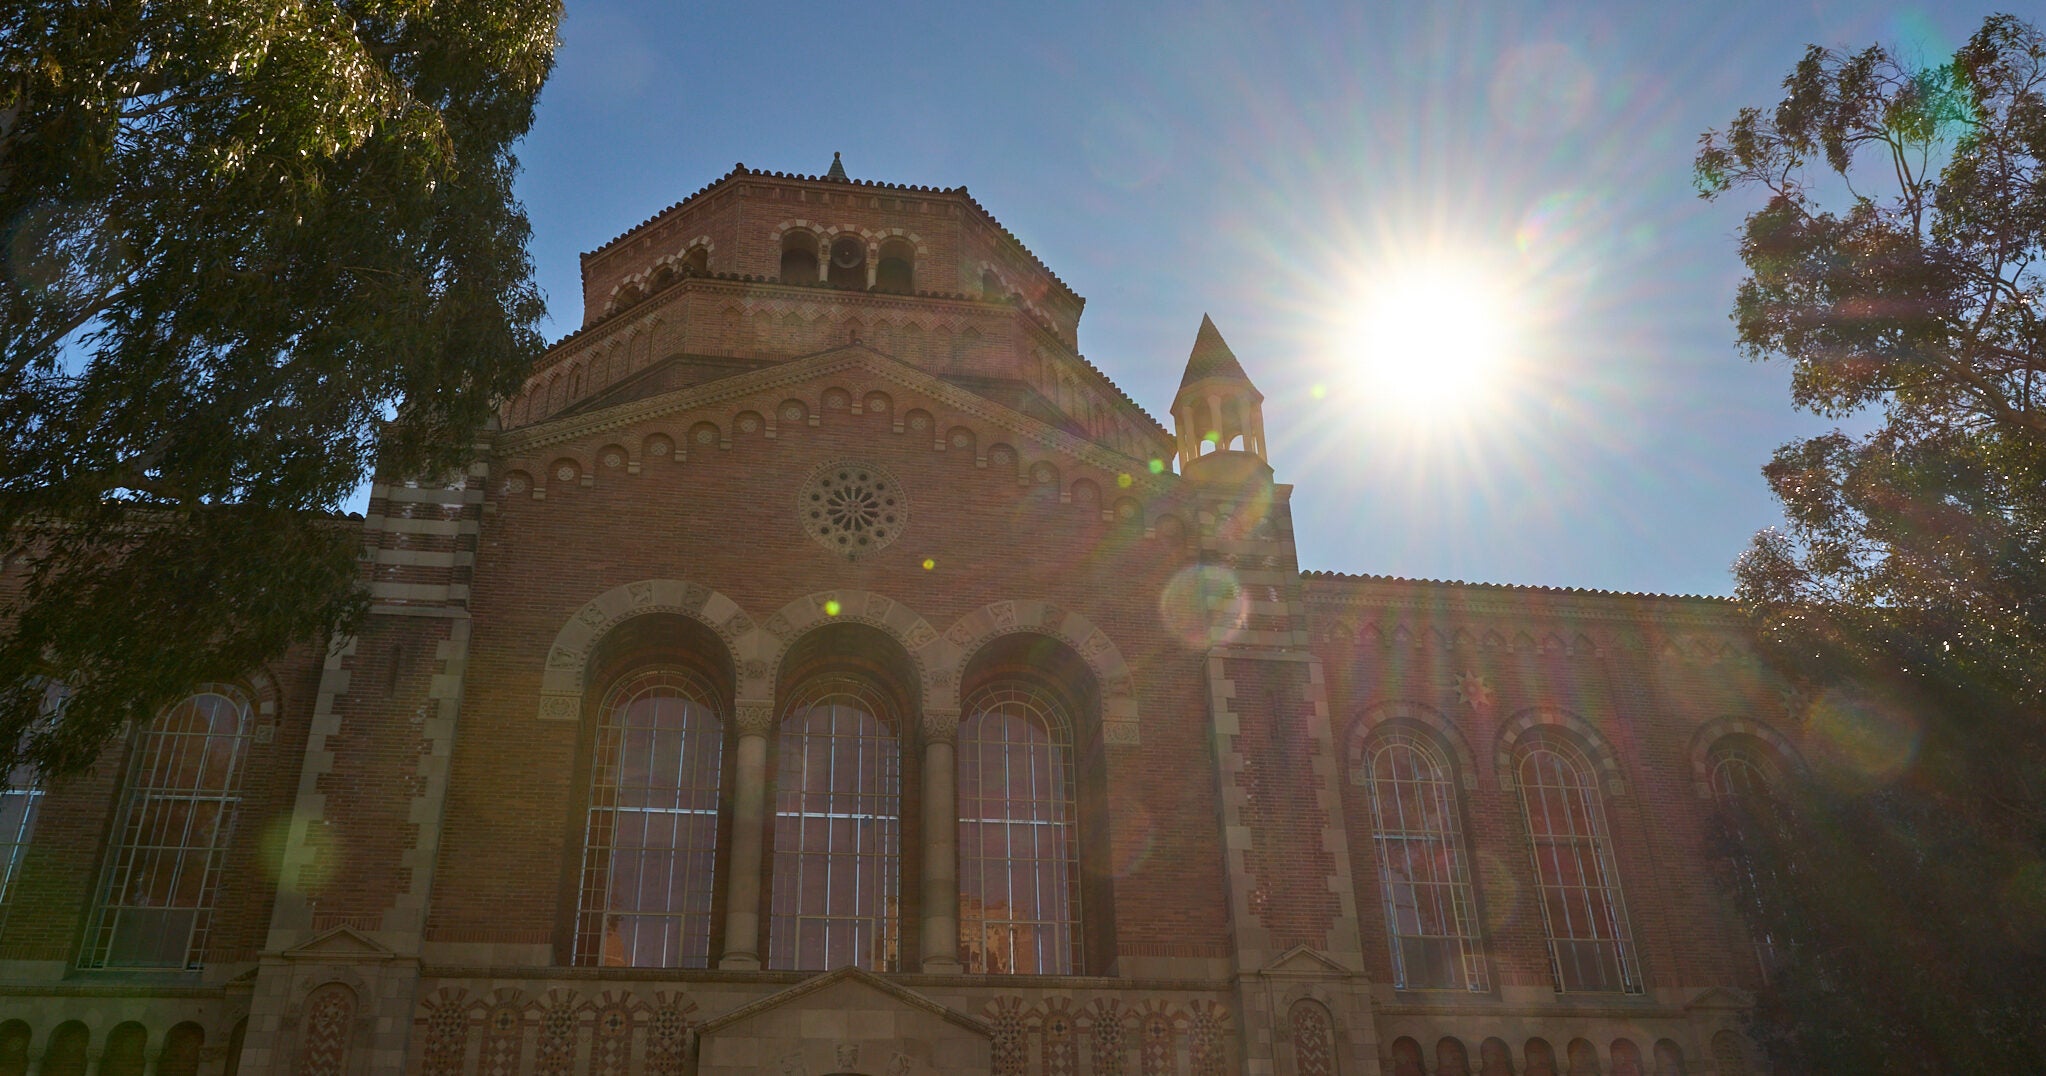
(1211,358)
(837,168)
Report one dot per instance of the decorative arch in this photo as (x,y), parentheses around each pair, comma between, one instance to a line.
(1708,736)
(1111,672)
(1595,745)
(563,684)
(762,652)
(1372,718)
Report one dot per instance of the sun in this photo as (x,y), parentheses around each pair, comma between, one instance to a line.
(1432,340)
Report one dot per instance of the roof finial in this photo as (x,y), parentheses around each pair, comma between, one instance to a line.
(837,168)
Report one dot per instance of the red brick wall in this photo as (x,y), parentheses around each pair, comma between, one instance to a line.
(726,519)
(1647,706)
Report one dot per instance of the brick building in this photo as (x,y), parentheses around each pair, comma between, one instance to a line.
(823,668)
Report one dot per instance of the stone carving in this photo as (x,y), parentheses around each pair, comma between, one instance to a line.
(852,508)
(755,718)
(940,725)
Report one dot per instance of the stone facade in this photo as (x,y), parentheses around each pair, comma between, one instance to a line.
(810,420)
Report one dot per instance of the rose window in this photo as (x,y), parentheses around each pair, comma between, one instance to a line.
(852,508)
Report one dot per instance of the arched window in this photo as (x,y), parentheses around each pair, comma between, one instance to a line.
(162,876)
(181,1046)
(14,1039)
(65,1055)
(1019,845)
(20,795)
(1744,774)
(1577,880)
(650,844)
(837,830)
(991,286)
(123,1054)
(1741,771)
(1423,869)
(1730,1053)
(697,262)
(896,271)
(798,258)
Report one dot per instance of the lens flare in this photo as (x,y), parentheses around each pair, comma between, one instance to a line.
(1858,739)
(1433,338)
(1203,606)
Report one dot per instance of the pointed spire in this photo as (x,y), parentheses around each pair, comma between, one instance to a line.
(1217,411)
(1211,358)
(837,168)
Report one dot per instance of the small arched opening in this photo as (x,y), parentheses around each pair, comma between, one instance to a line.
(798,257)
(896,271)
(848,262)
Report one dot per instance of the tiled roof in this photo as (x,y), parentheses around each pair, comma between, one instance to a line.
(1211,357)
(1513,588)
(741,170)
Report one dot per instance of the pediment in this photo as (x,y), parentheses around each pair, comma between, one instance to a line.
(770,383)
(1721,997)
(1304,960)
(339,944)
(847,984)
(845,1021)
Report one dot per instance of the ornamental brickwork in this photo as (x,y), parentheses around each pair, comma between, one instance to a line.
(823,452)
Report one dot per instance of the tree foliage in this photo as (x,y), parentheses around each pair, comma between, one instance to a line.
(1896,264)
(239,237)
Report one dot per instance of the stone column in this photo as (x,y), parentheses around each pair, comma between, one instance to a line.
(749,838)
(940,938)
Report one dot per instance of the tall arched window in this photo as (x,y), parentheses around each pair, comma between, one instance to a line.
(1741,771)
(155,906)
(837,830)
(1744,776)
(21,793)
(650,844)
(1423,870)
(1577,880)
(1019,845)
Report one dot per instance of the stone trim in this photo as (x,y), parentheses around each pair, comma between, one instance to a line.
(1374,719)
(766,646)
(1601,751)
(1709,735)
(550,432)
(563,682)
(968,634)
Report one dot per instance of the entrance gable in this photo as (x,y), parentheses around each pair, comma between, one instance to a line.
(846,1021)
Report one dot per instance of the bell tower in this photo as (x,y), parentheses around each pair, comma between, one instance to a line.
(1217,410)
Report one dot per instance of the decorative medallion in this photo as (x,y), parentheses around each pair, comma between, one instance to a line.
(852,508)
(1474,690)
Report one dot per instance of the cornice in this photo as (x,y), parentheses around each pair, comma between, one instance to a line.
(564,429)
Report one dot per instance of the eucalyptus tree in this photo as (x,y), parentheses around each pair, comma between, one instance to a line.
(240,238)
(1895,263)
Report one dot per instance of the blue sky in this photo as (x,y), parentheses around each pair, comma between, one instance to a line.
(1268,164)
